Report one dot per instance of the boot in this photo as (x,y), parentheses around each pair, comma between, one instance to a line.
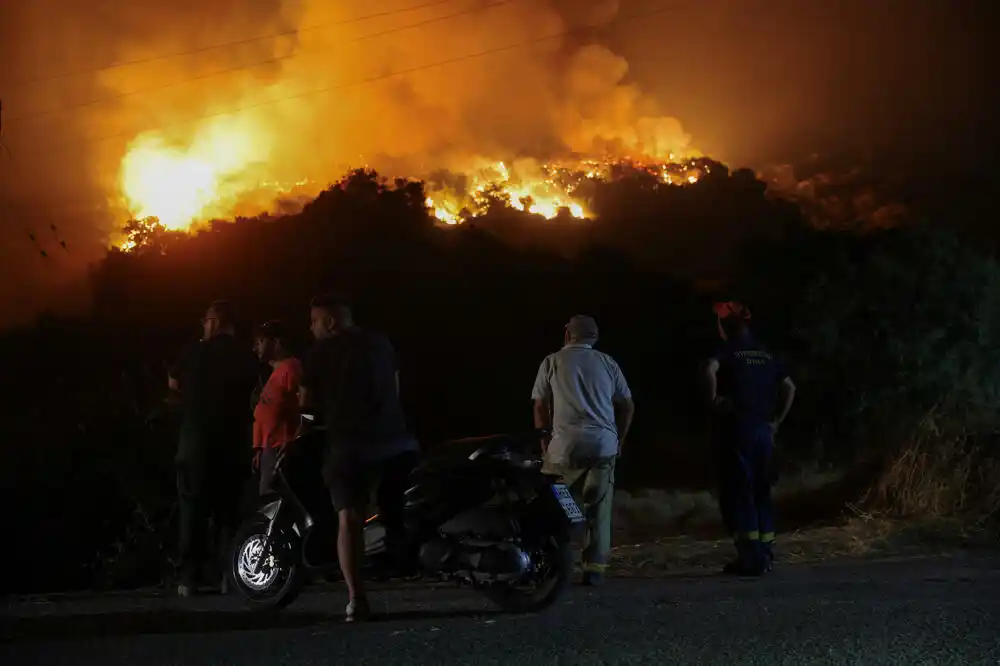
(749,560)
(767,550)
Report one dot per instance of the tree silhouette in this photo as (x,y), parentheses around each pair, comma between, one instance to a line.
(472,309)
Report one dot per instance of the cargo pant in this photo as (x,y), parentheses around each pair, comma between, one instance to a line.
(592,483)
(211,468)
(745,453)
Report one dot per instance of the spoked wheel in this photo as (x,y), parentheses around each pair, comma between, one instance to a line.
(549,577)
(268,576)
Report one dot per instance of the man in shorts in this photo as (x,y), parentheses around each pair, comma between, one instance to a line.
(352,377)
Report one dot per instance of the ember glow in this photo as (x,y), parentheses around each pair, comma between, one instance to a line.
(237,137)
(182,189)
(549,189)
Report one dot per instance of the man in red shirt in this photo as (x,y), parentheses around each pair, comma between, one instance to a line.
(276,416)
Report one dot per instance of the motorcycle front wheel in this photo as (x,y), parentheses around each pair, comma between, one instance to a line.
(269,576)
(552,567)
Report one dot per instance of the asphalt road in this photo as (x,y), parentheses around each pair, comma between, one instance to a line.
(939,611)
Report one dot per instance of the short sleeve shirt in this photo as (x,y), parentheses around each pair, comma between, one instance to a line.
(276,416)
(582,385)
(354,375)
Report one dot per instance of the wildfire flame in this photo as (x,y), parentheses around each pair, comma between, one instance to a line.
(550,190)
(214,178)
(181,186)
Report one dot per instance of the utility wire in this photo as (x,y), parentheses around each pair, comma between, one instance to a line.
(223,45)
(358,83)
(380,77)
(239,68)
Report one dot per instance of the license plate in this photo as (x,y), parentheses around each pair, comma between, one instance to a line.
(567,503)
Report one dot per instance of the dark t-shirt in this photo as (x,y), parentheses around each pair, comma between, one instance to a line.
(353,378)
(217,377)
(749,377)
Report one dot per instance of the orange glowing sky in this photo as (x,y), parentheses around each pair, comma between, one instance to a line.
(742,81)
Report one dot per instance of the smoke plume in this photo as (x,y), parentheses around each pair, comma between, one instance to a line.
(85,83)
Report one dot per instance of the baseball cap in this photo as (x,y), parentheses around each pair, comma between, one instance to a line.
(731,309)
(272,329)
(582,327)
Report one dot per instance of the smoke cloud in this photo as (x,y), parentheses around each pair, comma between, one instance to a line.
(317,84)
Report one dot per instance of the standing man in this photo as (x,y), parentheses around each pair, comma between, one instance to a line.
(750,394)
(276,416)
(213,381)
(352,375)
(581,394)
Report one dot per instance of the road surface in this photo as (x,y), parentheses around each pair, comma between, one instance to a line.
(931,611)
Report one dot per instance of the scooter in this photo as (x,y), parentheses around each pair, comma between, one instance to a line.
(480,512)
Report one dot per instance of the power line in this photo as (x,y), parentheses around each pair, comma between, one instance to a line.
(222,45)
(382,77)
(3,146)
(361,82)
(70,107)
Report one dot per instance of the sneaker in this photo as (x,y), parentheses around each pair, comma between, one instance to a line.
(184,590)
(357,610)
(592,578)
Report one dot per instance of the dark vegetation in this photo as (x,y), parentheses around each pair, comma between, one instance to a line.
(894,337)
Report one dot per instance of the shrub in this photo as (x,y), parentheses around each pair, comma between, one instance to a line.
(883,329)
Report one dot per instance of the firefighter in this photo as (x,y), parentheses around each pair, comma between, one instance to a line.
(750,394)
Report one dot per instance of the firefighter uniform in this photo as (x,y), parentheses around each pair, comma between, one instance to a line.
(748,380)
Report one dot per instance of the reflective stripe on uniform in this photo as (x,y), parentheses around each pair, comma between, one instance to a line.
(767,537)
(752,535)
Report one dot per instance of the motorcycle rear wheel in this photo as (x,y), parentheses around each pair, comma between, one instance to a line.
(279,578)
(558,560)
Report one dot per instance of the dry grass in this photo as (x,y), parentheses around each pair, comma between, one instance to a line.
(939,475)
(657,512)
(937,493)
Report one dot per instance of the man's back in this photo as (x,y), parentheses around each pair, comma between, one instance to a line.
(583,384)
(354,373)
(749,376)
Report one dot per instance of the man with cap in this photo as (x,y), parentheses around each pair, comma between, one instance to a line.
(276,415)
(582,396)
(750,394)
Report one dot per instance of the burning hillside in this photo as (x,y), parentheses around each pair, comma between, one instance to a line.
(547,189)
(416,91)
(181,191)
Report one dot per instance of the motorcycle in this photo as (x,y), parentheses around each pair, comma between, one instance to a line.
(489,519)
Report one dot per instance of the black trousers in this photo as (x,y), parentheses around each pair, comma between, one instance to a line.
(211,473)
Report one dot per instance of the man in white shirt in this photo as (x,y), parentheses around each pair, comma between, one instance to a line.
(582,396)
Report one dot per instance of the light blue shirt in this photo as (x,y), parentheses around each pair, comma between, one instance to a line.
(582,385)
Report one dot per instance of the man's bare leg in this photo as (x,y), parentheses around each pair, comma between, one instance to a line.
(350,551)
